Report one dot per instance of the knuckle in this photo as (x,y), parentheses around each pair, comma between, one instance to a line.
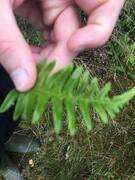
(52,9)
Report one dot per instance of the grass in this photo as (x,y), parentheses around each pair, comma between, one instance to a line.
(107,152)
(121,47)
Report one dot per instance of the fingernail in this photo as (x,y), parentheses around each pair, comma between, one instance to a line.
(20,78)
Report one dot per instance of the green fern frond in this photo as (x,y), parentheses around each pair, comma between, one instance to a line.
(69,88)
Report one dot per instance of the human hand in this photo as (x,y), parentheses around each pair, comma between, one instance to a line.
(16,56)
(64,38)
(102,17)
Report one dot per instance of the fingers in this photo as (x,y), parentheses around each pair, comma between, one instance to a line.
(42,52)
(41,13)
(64,26)
(52,9)
(56,48)
(62,55)
(31,10)
(89,5)
(103,15)
(15,55)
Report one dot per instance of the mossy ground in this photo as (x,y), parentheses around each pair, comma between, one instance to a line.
(107,152)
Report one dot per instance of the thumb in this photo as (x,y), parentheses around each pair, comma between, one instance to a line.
(15,54)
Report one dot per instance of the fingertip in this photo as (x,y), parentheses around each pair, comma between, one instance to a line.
(15,54)
(91,36)
(23,79)
(75,44)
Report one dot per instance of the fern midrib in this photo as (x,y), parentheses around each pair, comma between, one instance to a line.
(62,96)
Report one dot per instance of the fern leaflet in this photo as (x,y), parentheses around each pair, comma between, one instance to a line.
(69,88)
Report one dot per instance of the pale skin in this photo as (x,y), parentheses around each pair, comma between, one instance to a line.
(58,21)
